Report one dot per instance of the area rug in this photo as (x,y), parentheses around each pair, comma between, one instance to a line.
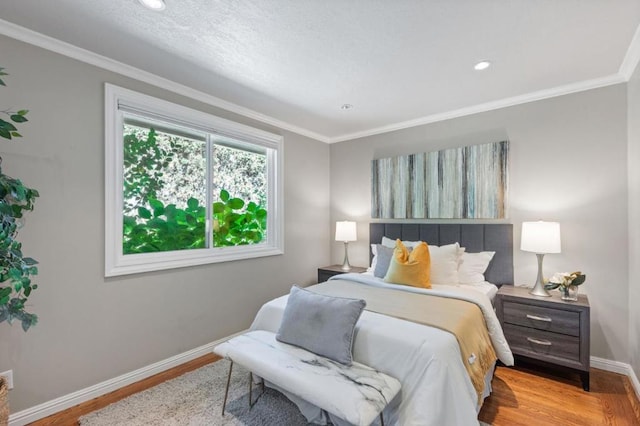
(195,399)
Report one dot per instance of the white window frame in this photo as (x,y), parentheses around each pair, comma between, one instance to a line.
(118,99)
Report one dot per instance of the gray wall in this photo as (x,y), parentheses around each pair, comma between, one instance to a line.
(634,219)
(568,164)
(91,328)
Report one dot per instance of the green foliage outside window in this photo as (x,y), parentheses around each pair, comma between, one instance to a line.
(234,225)
(144,163)
(164,228)
(164,175)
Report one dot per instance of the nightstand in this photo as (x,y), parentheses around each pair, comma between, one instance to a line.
(546,329)
(327,272)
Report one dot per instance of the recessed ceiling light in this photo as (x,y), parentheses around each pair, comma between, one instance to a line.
(346,107)
(153,4)
(482,65)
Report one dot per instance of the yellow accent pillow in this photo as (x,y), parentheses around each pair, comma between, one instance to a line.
(413,268)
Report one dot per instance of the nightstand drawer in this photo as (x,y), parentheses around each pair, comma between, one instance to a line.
(541,344)
(547,319)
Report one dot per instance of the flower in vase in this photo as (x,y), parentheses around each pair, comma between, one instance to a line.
(564,280)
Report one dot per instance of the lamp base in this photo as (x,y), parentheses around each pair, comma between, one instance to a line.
(345,265)
(539,291)
(538,288)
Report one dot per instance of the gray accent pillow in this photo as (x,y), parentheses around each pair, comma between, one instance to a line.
(321,324)
(384,254)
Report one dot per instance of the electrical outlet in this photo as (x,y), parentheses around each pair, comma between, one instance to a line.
(8,376)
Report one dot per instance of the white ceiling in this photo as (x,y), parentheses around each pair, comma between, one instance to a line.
(397,62)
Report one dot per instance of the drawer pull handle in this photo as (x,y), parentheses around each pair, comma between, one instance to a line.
(537,318)
(539,342)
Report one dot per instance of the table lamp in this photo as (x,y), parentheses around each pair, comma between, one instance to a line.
(345,232)
(540,238)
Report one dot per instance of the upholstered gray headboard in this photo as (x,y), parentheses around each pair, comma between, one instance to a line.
(474,237)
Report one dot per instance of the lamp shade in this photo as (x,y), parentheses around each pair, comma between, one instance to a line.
(346,231)
(540,237)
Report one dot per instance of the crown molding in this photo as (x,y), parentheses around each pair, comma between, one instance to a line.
(54,45)
(489,106)
(632,57)
(631,60)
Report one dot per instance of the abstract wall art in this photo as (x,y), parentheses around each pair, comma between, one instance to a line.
(469,182)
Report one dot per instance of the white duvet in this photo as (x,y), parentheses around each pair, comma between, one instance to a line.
(436,389)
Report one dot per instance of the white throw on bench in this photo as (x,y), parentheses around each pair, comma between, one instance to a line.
(355,393)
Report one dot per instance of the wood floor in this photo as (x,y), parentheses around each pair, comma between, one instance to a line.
(524,395)
(530,396)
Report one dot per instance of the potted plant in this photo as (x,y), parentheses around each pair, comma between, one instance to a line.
(16,270)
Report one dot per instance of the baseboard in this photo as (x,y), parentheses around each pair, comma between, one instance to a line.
(610,365)
(617,367)
(41,411)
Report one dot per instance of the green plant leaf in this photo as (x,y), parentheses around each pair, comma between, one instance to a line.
(5,133)
(17,118)
(580,279)
(235,203)
(28,320)
(224,195)
(5,292)
(192,203)
(144,213)
(156,204)
(218,207)
(7,125)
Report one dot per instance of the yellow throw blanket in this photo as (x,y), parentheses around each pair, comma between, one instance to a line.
(461,318)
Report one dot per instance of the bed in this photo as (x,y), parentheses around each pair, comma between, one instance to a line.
(436,385)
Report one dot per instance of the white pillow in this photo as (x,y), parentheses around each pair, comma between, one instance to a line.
(444,263)
(374,259)
(444,260)
(473,266)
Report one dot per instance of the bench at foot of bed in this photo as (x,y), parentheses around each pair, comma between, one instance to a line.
(356,393)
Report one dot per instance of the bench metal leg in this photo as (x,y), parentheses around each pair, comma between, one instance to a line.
(251,402)
(381,419)
(226,391)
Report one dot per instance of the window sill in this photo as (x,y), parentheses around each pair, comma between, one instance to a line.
(134,264)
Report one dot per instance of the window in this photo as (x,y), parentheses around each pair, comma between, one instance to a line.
(186,188)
